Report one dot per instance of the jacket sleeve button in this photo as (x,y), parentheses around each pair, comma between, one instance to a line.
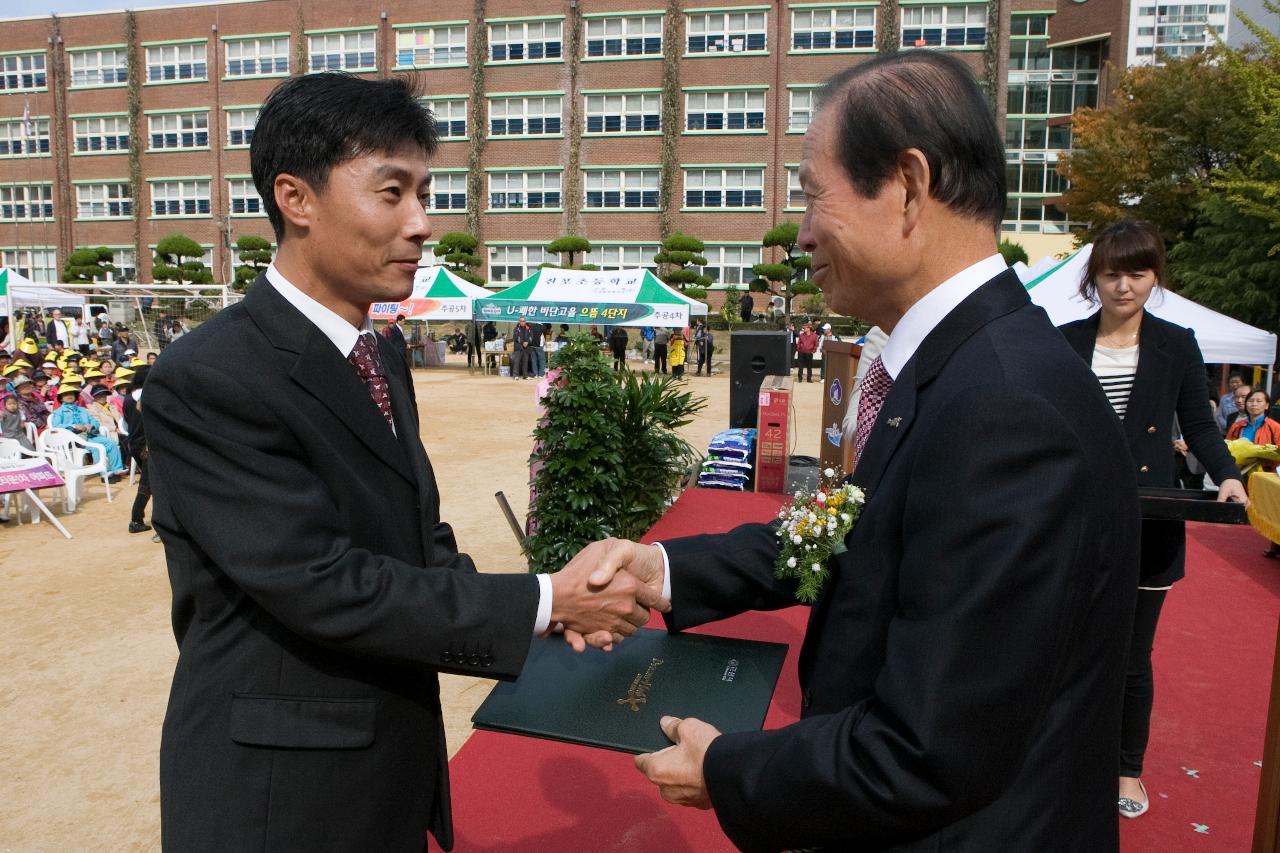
(445,657)
(1151,429)
(1144,469)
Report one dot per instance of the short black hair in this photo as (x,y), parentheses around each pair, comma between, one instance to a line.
(1130,245)
(925,100)
(310,124)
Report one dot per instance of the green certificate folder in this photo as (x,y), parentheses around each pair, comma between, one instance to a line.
(614,700)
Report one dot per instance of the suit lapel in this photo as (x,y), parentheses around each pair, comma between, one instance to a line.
(1083,336)
(331,379)
(322,372)
(1154,363)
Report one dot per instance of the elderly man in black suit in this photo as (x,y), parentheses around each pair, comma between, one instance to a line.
(316,592)
(961,672)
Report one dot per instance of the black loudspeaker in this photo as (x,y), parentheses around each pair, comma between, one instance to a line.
(752,357)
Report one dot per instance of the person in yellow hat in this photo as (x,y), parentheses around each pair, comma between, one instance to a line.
(21,363)
(28,346)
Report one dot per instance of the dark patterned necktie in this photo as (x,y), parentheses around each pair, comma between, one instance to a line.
(875,387)
(368,364)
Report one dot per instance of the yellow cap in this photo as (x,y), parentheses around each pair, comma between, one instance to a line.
(94,373)
(71,378)
(10,370)
(28,346)
(89,362)
(21,362)
(123,373)
(138,361)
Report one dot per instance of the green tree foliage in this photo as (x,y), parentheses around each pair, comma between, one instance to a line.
(1153,152)
(255,256)
(571,246)
(1194,147)
(785,278)
(178,260)
(458,250)
(679,255)
(609,455)
(1013,252)
(86,265)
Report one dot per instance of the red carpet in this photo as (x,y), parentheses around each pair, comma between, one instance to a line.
(1213,660)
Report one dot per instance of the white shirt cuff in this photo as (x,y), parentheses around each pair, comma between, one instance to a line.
(666,572)
(543,621)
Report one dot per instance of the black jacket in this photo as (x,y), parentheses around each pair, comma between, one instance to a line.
(961,672)
(316,593)
(1171,381)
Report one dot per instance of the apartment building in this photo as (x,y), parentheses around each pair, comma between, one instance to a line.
(557,116)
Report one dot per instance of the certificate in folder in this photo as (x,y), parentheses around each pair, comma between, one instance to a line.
(615,699)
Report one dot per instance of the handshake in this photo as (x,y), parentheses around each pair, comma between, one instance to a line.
(606,591)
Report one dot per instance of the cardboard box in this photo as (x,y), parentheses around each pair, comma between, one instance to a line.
(773,440)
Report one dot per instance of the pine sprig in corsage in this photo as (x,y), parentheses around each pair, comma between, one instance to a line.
(812,530)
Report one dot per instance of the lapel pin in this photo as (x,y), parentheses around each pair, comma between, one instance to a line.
(894,422)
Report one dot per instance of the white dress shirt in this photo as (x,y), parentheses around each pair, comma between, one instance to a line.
(921,319)
(344,336)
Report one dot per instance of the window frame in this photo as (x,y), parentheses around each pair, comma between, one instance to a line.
(524,189)
(593,257)
(624,114)
(944,26)
(727,33)
(623,188)
(232,198)
(8,127)
(506,23)
(125,199)
(227,112)
(718,250)
(122,69)
(99,119)
(343,51)
(257,39)
(206,180)
(10,257)
(833,8)
(602,18)
(492,97)
(727,112)
(453,176)
(724,169)
(430,102)
(17,57)
(43,202)
(528,266)
(180,115)
(431,27)
(177,46)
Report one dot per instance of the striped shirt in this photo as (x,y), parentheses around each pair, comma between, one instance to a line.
(1115,369)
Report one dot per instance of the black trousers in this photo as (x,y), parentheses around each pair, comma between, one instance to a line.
(806,362)
(144,488)
(659,358)
(704,357)
(1139,685)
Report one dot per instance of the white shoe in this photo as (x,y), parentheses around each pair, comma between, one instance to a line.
(1135,808)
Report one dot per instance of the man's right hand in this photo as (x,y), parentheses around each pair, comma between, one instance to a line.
(601,612)
(610,561)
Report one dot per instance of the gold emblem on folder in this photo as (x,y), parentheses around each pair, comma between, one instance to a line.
(638,692)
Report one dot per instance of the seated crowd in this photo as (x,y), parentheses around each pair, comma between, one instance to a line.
(95,397)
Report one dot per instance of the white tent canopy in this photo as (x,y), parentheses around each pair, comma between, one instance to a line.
(25,293)
(1222,339)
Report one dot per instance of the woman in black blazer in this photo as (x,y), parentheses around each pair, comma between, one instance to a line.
(1151,371)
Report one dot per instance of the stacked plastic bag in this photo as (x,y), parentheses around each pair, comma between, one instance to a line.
(728,464)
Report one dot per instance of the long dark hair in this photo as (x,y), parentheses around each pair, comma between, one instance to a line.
(1130,245)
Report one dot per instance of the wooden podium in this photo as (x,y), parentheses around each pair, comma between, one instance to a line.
(840,359)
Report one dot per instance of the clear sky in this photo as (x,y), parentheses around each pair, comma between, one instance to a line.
(28,8)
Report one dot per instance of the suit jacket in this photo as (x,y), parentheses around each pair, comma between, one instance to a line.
(1170,381)
(316,594)
(962,668)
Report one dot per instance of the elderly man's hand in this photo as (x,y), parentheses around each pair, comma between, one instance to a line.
(677,770)
(600,609)
(604,560)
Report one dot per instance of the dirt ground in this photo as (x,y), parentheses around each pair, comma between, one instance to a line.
(86,649)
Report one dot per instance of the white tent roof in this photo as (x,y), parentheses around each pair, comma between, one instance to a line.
(1222,339)
(24,292)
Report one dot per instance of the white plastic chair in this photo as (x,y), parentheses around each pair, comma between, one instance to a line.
(14,455)
(68,451)
(32,432)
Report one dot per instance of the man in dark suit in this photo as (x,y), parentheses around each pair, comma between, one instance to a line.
(393,333)
(962,668)
(316,592)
